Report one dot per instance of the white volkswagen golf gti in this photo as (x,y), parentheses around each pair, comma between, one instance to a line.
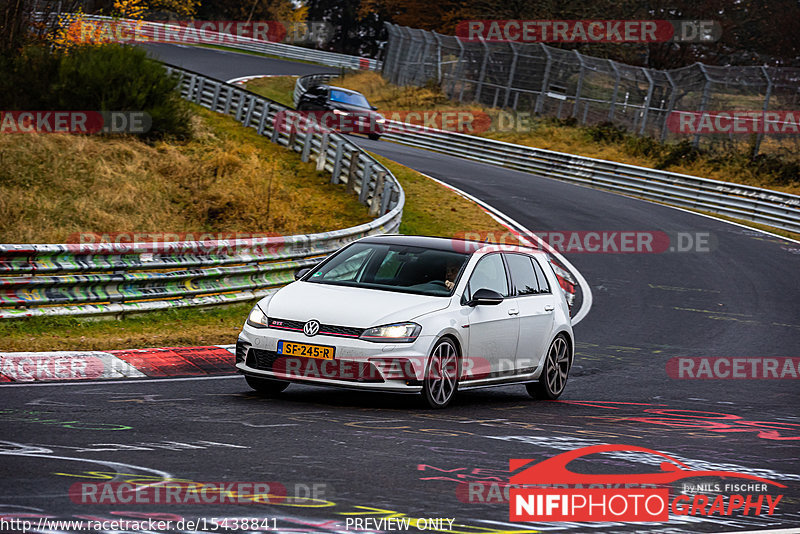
(411,314)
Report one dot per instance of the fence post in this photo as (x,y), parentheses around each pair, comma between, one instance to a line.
(482,75)
(760,135)
(545,78)
(670,106)
(703,101)
(580,85)
(458,71)
(647,100)
(613,107)
(511,73)
(422,75)
(438,57)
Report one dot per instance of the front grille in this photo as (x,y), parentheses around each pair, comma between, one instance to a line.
(324,329)
(263,360)
(309,368)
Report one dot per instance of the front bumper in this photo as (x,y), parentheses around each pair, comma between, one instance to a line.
(391,367)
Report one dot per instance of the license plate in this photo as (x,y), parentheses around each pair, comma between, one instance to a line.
(322,352)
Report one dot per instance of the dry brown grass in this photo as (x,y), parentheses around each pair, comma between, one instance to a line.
(227,179)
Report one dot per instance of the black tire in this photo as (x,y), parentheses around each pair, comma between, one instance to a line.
(374,137)
(441,376)
(267,386)
(553,380)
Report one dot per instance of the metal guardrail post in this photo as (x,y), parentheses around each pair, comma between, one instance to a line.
(374,205)
(248,117)
(308,139)
(262,122)
(365,182)
(323,151)
(386,197)
(352,172)
(337,162)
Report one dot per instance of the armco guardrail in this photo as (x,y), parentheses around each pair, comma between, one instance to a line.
(83,279)
(764,206)
(150,29)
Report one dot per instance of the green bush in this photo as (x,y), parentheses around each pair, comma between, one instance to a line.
(109,77)
(115,77)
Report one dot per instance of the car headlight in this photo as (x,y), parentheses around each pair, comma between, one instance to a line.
(257,318)
(380,119)
(340,112)
(392,333)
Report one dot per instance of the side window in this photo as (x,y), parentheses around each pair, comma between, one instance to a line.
(523,277)
(544,285)
(489,274)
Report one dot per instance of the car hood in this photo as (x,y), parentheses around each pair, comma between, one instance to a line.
(366,112)
(348,306)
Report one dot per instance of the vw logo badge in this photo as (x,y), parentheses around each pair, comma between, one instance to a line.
(311,328)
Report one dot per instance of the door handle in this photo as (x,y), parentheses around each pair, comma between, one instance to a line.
(548,307)
(513,312)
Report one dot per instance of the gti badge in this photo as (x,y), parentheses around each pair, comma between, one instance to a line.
(311,328)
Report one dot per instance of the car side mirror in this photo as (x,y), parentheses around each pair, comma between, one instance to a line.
(485,297)
(300,273)
(373,108)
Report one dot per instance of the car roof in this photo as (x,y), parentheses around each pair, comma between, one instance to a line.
(452,244)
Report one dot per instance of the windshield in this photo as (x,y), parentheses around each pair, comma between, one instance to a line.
(353,99)
(398,268)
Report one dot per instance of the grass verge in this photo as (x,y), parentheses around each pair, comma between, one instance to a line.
(55,187)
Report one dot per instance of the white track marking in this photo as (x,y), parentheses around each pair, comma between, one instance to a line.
(110,382)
